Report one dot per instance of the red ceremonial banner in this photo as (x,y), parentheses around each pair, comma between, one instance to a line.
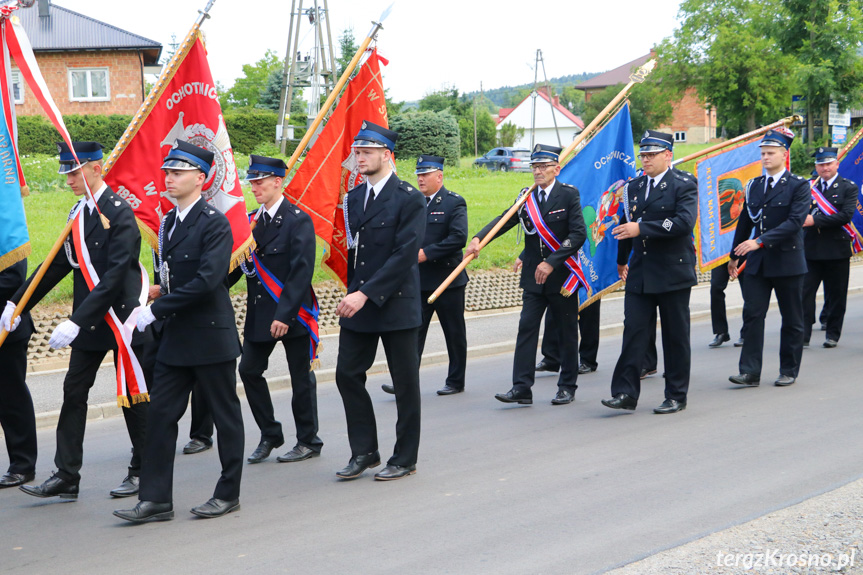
(330,169)
(187,109)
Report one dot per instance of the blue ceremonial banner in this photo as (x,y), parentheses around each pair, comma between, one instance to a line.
(14,239)
(721,190)
(851,167)
(598,171)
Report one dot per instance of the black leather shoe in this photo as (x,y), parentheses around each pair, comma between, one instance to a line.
(739,342)
(53,487)
(215,508)
(298,453)
(447,390)
(805,344)
(513,396)
(389,388)
(358,464)
(647,372)
(831,343)
(196,446)
(621,401)
(563,397)
(784,380)
(146,511)
(546,365)
(719,340)
(263,451)
(745,379)
(670,406)
(15,479)
(128,488)
(584,368)
(391,472)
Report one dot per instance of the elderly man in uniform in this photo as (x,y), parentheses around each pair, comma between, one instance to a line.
(384,223)
(17,417)
(441,251)
(827,243)
(282,307)
(198,341)
(552,217)
(775,208)
(656,259)
(117,279)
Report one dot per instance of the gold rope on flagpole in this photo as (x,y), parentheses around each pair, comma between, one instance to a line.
(635,78)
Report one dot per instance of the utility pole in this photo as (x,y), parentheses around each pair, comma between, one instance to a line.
(548,93)
(475,137)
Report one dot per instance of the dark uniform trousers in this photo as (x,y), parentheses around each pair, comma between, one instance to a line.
(201,427)
(661,275)
(778,266)
(17,417)
(718,282)
(828,254)
(114,255)
(443,240)
(198,344)
(383,266)
(562,214)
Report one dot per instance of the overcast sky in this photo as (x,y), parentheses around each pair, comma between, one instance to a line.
(430,44)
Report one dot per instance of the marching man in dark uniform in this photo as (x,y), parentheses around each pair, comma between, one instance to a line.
(827,243)
(113,283)
(554,232)
(441,252)
(17,417)
(384,223)
(281,307)
(198,340)
(656,259)
(775,208)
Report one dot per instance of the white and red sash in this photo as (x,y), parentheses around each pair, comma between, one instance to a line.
(576,276)
(130,377)
(826,207)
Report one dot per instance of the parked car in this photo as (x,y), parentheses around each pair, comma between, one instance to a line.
(505,160)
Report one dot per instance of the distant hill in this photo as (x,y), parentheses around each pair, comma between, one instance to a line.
(503,97)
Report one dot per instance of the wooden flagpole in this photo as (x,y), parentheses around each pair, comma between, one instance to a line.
(636,78)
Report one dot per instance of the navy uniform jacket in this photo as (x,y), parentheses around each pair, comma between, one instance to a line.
(286,247)
(383,265)
(827,239)
(783,211)
(114,253)
(10,280)
(562,214)
(662,257)
(199,325)
(445,236)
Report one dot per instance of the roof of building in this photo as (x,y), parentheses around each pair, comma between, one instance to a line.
(64,30)
(619,75)
(504,112)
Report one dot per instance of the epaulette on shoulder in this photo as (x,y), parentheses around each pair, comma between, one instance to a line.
(451,193)
(208,211)
(565,185)
(798,177)
(406,187)
(681,175)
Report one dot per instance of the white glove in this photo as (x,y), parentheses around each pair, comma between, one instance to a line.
(63,334)
(145,318)
(7,317)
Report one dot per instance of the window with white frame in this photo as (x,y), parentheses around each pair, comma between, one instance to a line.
(89,85)
(680,137)
(17,87)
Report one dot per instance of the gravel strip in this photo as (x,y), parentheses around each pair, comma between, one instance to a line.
(814,536)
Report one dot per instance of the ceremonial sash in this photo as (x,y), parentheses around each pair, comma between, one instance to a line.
(307,316)
(130,377)
(576,275)
(825,206)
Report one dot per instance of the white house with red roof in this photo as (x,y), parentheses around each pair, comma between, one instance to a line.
(548,111)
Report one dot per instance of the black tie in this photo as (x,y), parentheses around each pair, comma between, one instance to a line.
(651,188)
(266,219)
(428,200)
(542,195)
(823,186)
(769,185)
(369,199)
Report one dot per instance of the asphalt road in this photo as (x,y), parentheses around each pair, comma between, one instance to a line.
(499,489)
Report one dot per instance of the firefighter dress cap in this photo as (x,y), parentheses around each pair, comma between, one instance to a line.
(261,167)
(426,164)
(826,155)
(186,156)
(543,154)
(86,151)
(653,141)
(374,136)
(778,138)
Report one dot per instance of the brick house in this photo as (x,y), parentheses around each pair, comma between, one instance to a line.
(90,67)
(691,121)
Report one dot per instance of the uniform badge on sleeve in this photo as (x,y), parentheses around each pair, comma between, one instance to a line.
(566,243)
(667,225)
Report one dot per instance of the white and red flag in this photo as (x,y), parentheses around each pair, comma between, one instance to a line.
(184,106)
(330,170)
